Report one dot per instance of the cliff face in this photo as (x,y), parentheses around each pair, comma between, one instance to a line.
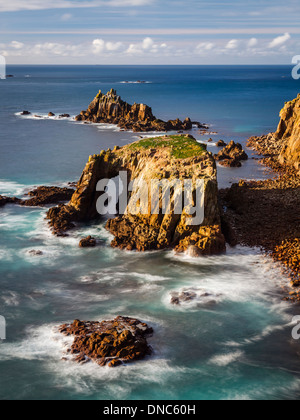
(284,144)
(176,157)
(289,133)
(111,109)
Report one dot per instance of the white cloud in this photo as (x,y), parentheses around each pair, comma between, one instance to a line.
(147,46)
(205,46)
(252,43)
(134,49)
(57,49)
(114,46)
(17,45)
(280,40)
(98,46)
(16,5)
(147,43)
(232,45)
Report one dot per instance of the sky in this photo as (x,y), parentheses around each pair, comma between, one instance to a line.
(149,31)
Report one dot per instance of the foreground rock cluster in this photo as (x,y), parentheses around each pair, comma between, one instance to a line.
(266,214)
(175,157)
(112,343)
(111,109)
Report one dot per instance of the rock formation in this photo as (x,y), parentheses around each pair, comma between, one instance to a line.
(221,143)
(163,158)
(111,109)
(41,196)
(232,155)
(88,242)
(9,200)
(200,297)
(108,342)
(284,144)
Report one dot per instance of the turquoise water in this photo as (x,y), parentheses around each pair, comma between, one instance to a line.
(235,344)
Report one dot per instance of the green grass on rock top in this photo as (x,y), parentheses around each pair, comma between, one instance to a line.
(182,147)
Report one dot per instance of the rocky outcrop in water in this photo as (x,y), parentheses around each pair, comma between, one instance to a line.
(88,242)
(112,343)
(111,109)
(232,155)
(9,200)
(195,297)
(41,196)
(163,158)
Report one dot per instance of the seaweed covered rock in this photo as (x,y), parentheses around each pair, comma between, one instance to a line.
(111,109)
(122,340)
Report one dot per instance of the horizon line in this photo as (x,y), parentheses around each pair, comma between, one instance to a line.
(152,65)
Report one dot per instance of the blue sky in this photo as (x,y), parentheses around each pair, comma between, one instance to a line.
(149,31)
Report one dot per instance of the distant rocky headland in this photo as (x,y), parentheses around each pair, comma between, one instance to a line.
(111,109)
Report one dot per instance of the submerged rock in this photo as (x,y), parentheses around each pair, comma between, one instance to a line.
(35,253)
(111,109)
(88,242)
(112,343)
(198,297)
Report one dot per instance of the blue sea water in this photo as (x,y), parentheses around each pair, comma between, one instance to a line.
(235,345)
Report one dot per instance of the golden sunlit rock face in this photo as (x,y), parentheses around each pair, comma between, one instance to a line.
(172,158)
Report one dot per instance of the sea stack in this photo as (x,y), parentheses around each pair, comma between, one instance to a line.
(163,158)
(111,109)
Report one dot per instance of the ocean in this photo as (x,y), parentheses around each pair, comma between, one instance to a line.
(235,345)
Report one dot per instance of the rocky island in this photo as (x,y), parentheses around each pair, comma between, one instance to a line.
(111,109)
(169,157)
